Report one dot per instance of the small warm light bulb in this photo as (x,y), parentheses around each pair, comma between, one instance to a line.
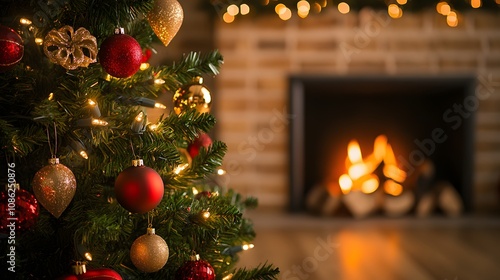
(195,191)
(244,9)
(39,41)
(153,127)
(98,122)
(144,66)
(245,247)
(139,117)
(206,214)
(343,8)
(402,2)
(92,102)
(228,277)
(84,155)
(233,10)
(88,256)
(51,96)
(108,77)
(160,106)
(221,171)
(25,21)
(180,168)
(159,81)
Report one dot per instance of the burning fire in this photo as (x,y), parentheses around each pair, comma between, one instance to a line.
(361,175)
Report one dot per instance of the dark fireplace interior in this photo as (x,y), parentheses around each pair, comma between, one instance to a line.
(424,118)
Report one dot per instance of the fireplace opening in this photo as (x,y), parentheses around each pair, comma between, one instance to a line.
(424,120)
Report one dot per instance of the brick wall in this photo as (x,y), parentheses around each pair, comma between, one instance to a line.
(260,54)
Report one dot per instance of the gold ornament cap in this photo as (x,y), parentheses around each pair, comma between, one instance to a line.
(53,160)
(79,268)
(119,30)
(137,162)
(151,231)
(195,257)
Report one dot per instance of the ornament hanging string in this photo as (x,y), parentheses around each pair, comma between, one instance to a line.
(133,150)
(150,219)
(53,153)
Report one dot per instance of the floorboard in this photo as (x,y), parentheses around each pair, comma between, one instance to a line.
(306,247)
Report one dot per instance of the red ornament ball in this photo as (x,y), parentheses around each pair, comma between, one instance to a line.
(26,210)
(95,274)
(120,55)
(11,48)
(195,270)
(139,188)
(202,141)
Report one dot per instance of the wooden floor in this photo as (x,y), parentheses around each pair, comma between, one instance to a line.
(306,247)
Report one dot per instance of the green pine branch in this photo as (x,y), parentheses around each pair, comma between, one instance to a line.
(263,272)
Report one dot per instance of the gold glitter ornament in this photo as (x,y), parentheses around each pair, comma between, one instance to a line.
(54,187)
(193,96)
(166,19)
(149,252)
(70,49)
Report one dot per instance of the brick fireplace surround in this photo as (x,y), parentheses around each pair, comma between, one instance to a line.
(261,53)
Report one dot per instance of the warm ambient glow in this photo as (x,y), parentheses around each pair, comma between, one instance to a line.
(475,4)
(361,175)
(443,8)
(286,15)
(233,10)
(452,19)
(402,2)
(303,6)
(343,8)
(280,8)
(244,9)
(227,18)
(394,11)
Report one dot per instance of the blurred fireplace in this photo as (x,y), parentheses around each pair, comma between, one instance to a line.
(424,118)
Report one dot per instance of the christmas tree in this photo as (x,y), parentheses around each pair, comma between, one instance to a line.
(94,188)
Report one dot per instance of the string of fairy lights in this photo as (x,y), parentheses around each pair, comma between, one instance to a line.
(286,10)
